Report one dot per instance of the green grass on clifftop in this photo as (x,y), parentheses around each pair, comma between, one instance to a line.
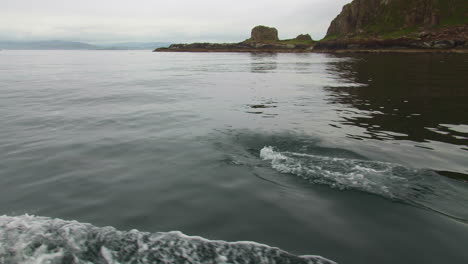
(297,42)
(287,41)
(390,21)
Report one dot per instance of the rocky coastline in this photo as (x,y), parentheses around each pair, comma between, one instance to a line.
(399,25)
(237,47)
(366,26)
(453,39)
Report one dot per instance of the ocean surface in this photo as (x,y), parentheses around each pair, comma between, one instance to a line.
(140,157)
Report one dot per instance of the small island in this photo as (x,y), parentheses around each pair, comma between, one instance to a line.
(263,39)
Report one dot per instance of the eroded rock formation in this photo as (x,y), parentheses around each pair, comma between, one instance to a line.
(378,17)
(263,33)
(304,37)
(399,24)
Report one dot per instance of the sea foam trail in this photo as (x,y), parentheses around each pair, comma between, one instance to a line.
(420,187)
(40,240)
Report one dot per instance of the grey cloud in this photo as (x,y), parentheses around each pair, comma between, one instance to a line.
(149,20)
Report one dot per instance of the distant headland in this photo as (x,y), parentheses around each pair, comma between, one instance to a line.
(399,24)
(366,26)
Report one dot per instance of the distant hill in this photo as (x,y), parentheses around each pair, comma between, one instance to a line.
(72,45)
(46,45)
(395,18)
(137,45)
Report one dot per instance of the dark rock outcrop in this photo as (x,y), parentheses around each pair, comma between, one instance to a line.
(449,38)
(263,33)
(354,17)
(399,24)
(304,37)
(237,47)
(376,17)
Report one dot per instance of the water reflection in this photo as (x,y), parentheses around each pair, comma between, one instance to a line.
(263,62)
(421,98)
(303,67)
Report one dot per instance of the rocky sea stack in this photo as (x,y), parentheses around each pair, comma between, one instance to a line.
(263,33)
(399,24)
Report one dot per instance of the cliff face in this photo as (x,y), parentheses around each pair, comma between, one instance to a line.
(380,17)
(263,33)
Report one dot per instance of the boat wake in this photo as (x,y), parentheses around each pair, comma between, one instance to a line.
(421,187)
(39,240)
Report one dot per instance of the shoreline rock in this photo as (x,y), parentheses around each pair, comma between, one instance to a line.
(449,38)
(236,47)
(399,24)
(394,50)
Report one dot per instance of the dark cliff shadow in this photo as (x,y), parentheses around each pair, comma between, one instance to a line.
(263,62)
(419,97)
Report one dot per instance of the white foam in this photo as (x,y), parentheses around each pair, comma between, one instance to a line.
(336,172)
(416,186)
(40,240)
(108,255)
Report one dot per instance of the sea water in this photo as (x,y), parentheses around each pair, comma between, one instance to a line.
(113,156)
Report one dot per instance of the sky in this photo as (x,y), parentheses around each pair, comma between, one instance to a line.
(112,21)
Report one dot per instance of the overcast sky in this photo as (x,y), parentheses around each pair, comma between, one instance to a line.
(106,21)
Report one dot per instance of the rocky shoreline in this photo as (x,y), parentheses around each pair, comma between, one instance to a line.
(450,39)
(426,44)
(393,50)
(393,44)
(238,47)
(363,26)
(399,25)
(338,46)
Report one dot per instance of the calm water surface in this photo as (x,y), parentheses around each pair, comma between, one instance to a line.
(357,158)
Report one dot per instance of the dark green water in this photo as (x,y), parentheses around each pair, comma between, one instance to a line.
(357,158)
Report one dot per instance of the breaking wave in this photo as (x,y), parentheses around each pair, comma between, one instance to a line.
(39,240)
(421,187)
